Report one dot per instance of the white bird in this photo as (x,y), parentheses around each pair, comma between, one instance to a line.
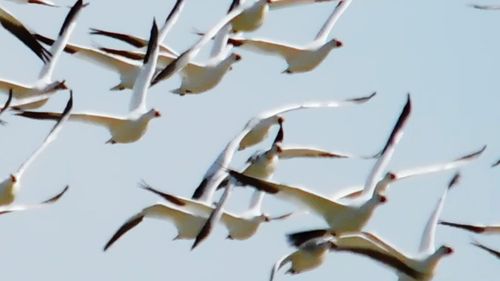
(428,257)
(495,253)
(189,216)
(240,226)
(9,187)
(39,2)
(312,253)
(188,224)
(187,56)
(300,58)
(255,130)
(17,28)
(45,83)
(138,42)
(129,128)
(409,267)
(341,217)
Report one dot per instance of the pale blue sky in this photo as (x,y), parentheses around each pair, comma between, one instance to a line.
(443,52)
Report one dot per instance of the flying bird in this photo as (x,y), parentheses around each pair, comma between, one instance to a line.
(45,83)
(123,129)
(255,130)
(341,217)
(9,187)
(300,58)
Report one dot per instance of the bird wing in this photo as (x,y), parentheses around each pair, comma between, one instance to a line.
(485,7)
(309,199)
(49,138)
(96,56)
(316,104)
(141,85)
(265,46)
(277,4)
(310,152)
(6,85)
(195,206)
(496,253)
(171,19)
(365,244)
(279,264)
(386,153)
(14,26)
(58,46)
(256,131)
(429,234)
(51,200)
(463,160)
(332,20)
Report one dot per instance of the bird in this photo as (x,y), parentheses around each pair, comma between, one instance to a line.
(189,216)
(39,2)
(17,28)
(123,129)
(424,262)
(299,58)
(341,217)
(495,253)
(187,223)
(240,226)
(45,83)
(476,228)
(254,131)
(138,42)
(187,56)
(9,187)
(312,253)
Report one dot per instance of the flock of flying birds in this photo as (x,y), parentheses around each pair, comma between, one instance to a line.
(345,214)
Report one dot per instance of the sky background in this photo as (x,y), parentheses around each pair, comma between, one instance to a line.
(442,52)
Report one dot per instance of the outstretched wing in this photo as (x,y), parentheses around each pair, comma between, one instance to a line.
(14,26)
(49,138)
(58,46)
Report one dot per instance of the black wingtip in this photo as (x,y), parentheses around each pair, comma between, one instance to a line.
(170,198)
(57,196)
(204,232)
(174,10)
(122,230)
(403,117)
(6,105)
(473,154)
(73,12)
(454,180)
(280,135)
(363,99)
(153,42)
